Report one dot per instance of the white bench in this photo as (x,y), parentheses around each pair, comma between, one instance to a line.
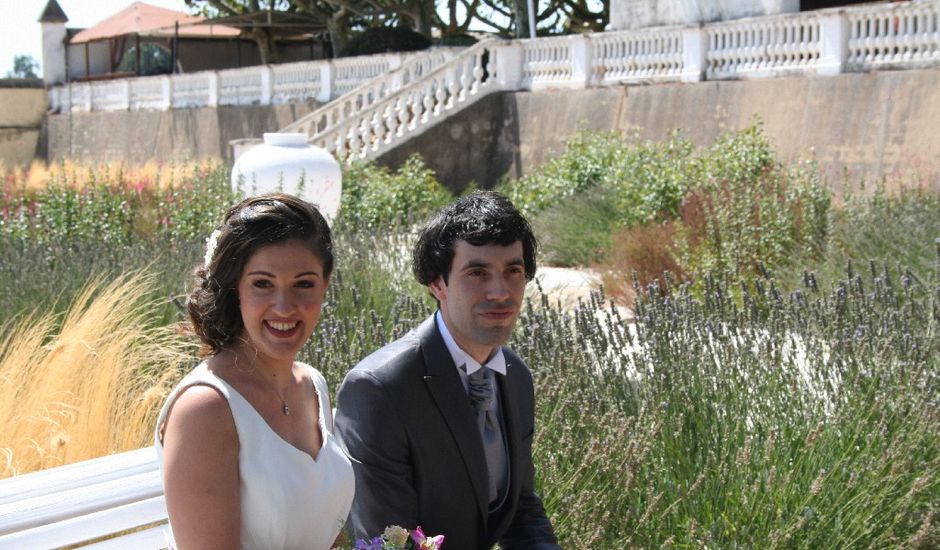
(110,502)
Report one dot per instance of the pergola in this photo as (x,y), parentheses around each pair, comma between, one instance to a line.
(141,22)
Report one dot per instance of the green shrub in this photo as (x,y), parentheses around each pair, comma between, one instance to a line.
(648,182)
(584,164)
(385,39)
(373,196)
(115,209)
(899,227)
(733,224)
(577,231)
(800,421)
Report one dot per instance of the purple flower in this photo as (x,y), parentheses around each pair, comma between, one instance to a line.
(426,543)
(374,544)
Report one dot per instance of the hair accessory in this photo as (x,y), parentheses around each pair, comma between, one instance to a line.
(211,243)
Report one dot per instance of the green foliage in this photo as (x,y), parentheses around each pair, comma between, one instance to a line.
(385,39)
(651,178)
(114,209)
(584,164)
(373,196)
(577,231)
(24,66)
(899,227)
(795,420)
(736,223)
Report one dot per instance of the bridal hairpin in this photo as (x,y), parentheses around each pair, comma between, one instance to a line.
(211,243)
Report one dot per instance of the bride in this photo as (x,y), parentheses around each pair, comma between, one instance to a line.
(245,440)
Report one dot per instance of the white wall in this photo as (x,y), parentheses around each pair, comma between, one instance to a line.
(53,53)
(638,14)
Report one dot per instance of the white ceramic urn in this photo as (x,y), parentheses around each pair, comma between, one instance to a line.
(286,162)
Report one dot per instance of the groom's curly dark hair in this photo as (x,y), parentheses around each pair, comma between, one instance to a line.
(481,218)
(213,305)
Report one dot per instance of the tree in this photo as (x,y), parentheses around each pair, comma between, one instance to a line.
(24,66)
(510,17)
(262,35)
(343,17)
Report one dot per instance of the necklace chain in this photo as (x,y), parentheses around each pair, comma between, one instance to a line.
(285,408)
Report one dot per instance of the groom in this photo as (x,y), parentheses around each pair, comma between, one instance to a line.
(439,423)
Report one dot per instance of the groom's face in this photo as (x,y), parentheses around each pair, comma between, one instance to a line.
(481,299)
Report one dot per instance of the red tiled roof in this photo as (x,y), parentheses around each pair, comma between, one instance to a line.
(147,20)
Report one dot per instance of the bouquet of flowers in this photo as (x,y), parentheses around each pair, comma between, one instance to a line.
(398,538)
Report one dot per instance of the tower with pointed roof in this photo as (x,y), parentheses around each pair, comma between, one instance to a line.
(53,21)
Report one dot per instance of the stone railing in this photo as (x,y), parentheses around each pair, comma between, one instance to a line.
(259,85)
(902,35)
(364,95)
(416,105)
(764,46)
(823,42)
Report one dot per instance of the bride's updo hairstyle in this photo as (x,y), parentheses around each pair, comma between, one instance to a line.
(254,223)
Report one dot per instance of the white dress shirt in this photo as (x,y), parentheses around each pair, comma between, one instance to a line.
(496,361)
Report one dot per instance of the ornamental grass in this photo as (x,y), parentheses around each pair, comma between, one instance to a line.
(87,384)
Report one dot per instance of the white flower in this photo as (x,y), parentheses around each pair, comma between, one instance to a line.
(211,243)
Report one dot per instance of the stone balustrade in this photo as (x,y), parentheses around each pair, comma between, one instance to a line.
(362,96)
(413,106)
(823,42)
(259,85)
(900,36)
(385,98)
(760,47)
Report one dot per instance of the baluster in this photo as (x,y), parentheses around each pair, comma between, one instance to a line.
(378,130)
(339,144)
(452,87)
(365,133)
(465,81)
(415,101)
(353,140)
(428,102)
(391,121)
(440,96)
(401,108)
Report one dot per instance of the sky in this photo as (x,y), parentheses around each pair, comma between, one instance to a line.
(21,34)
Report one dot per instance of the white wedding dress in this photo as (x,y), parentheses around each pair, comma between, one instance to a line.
(288,499)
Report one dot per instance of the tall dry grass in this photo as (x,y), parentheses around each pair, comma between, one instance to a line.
(89,383)
(39,175)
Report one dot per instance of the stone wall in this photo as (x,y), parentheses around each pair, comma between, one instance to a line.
(641,14)
(177,135)
(873,125)
(22,107)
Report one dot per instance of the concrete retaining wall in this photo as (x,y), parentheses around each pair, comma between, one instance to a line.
(21,113)
(176,135)
(881,124)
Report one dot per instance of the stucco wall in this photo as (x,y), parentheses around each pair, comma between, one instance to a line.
(640,14)
(874,125)
(175,135)
(21,113)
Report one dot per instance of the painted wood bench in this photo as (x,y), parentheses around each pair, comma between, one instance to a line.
(105,503)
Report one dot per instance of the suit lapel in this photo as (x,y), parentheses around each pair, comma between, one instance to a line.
(444,384)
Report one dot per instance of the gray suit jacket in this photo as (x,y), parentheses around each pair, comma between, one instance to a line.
(409,427)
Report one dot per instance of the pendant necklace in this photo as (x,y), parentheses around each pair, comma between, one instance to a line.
(285,408)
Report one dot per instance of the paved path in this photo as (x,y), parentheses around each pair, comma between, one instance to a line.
(566,286)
